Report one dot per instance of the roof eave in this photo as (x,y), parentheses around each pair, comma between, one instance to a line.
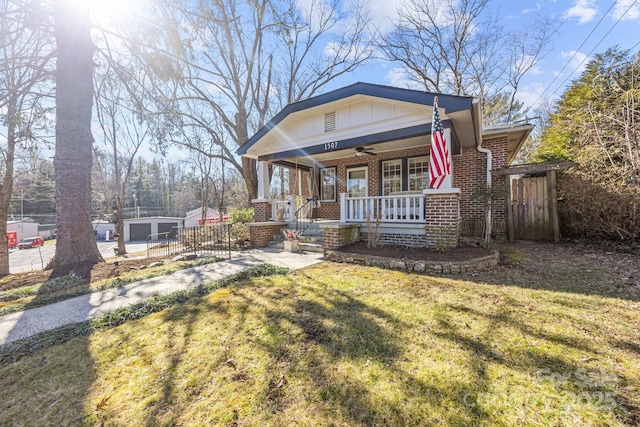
(451,103)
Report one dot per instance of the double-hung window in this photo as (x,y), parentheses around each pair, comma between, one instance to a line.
(328,184)
(391,176)
(418,173)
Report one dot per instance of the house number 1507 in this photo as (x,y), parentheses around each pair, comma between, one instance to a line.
(330,145)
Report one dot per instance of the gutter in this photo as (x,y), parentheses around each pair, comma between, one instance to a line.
(481,149)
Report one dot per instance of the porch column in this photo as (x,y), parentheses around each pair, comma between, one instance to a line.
(292,209)
(442,218)
(263,181)
(262,205)
(343,207)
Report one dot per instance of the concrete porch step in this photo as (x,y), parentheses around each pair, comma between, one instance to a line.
(304,246)
(304,238)
(311,247)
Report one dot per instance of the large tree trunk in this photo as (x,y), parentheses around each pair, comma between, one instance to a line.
(73,155)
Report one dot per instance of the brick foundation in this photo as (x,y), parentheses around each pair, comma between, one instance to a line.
(263,232)
(401,239)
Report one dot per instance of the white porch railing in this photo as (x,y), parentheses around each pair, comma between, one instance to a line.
(281,210)
(405,209)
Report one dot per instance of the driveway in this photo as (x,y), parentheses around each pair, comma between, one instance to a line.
(38,258)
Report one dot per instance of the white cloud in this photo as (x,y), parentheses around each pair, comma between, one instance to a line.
(384,13)
(398,77)
(333,49)
(532,9)
(622,6)
(584,10)
(577,63)
(530,94)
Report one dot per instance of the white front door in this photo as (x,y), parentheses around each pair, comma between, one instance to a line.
(357,180)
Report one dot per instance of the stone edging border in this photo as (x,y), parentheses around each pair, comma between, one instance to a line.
(415,266)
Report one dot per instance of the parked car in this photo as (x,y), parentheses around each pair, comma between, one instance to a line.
(30,242)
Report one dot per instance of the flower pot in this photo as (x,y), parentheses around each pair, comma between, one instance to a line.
(291,245)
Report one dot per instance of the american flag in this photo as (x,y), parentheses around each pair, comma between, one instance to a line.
(439,161)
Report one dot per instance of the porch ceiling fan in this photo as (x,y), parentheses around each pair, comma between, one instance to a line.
(361,151)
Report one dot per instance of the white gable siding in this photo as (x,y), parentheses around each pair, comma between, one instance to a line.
(303,128)
(359,117)
(360,113)
(383,111)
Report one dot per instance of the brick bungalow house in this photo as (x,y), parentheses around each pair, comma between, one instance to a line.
(363,151)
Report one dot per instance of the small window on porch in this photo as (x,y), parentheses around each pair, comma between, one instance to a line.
(328,185)
(418,173)
(330,121)
(391,176)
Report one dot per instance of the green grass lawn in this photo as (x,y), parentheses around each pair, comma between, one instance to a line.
(342,345)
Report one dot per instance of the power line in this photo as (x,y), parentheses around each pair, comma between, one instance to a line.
(596,46)
(575,52)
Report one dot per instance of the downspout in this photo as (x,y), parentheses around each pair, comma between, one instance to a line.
(478,128)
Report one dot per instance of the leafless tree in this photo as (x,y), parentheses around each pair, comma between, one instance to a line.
(238,57)
(25,70)
(124,130)
(459,47)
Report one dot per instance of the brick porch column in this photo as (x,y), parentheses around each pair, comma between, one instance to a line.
(263,232)
(335,236)
(261,209)
(442,218)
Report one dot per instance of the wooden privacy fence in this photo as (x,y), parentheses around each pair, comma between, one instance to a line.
(530,208)
(532,202)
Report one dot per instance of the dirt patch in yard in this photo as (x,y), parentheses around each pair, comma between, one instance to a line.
(94,272)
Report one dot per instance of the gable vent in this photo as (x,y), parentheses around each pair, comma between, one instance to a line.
(330,121)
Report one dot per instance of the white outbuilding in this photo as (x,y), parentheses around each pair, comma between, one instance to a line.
(23,228)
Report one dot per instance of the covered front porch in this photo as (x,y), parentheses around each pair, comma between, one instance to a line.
(360,156)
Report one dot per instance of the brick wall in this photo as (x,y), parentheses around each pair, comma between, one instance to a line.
(442,220)
(470,176)
(293,183)
(337,236)
(409,240)
(262,233)
(262,211)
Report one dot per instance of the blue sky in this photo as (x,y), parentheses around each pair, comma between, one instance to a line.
(578,19)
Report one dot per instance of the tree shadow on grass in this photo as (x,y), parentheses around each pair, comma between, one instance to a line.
(51,385)
(560,366)
(177,344)
(63,284)
(335,328)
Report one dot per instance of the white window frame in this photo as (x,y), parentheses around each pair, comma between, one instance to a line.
(396,162)
(323,172)
(366,178)
(423,178)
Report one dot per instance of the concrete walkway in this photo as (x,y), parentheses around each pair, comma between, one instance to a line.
(23,324)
